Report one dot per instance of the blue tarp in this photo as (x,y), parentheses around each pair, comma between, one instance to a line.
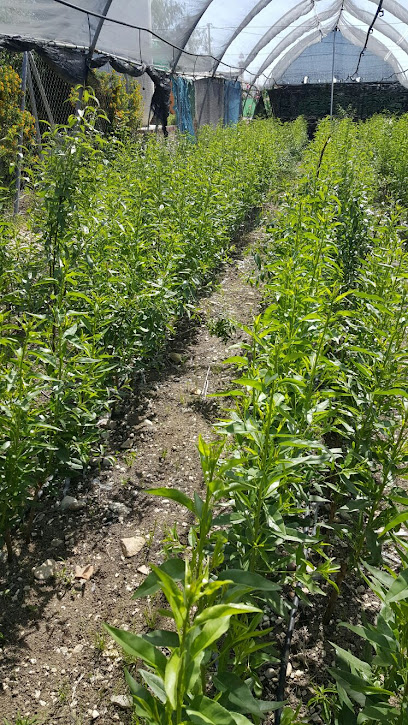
(232,102)
(182,91)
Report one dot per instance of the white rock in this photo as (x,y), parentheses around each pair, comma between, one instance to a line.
(118,508)
(144,424)
(55,543)
(45,571)
(128,443)
(132,545)
(69,503)
(144,569)
(269,673)
(288,670)
(123,701)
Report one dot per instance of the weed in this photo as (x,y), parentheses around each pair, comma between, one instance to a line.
(130,458)
(22,720)
(99,641)
(150,535)
(151,615)
(63,692)
(172,545)
(222,327)
(65,577)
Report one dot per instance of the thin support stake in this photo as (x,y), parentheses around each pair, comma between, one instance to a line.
(21,134)
(90,55)
(34,107)
(332,74)
(42,90)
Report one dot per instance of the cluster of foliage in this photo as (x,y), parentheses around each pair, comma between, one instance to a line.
(123,237)
(121,99)
(13,121)
(303,488)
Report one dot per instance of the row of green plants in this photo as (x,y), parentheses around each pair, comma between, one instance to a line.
(120,240)
(304,488)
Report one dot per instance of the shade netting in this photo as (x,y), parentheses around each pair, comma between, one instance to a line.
(255,41)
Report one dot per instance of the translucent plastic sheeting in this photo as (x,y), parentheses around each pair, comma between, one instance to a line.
(314,65)
(253,40)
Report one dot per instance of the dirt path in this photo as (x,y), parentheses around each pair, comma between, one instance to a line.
(55,660)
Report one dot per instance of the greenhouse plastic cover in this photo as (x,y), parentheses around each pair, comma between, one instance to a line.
(253,40)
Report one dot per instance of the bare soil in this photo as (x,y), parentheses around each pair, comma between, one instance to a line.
(56,662)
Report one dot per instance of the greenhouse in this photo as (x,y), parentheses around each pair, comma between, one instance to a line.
(203,362)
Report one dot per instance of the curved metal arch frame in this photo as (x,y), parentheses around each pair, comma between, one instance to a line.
(283,61)
(261,5)
(386,29)
(376,46)
(288,42)
(385,41)
(272,33)
(356,39)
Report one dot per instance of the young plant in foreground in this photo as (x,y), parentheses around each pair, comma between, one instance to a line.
(177,683)
(375,689)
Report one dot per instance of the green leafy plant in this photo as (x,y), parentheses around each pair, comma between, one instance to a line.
(177,682)
(376,687)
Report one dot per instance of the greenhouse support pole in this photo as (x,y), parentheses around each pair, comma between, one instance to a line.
(21,134)
(41,88)
(34,107)
(90,54)
(332,74)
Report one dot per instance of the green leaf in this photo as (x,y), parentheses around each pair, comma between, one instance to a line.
(236,359)
(171,676)
(204,711)
(351,660)
(143,702)
(163,638)
(399,588)
(380,713)
(211,631)
(371,634)
(357,687)
(224,610)
(175,568)
(248,579)
(155,683)
(399,519)
(172,594)
(173,494)
(238,693)
(391,391)
(137,647)
(249,383)
(70,332)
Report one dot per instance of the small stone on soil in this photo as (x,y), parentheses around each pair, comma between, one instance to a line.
(132,545)
(144,569)
(128,443)
(118,508)
(44,572)
(69,503)
(123,701)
